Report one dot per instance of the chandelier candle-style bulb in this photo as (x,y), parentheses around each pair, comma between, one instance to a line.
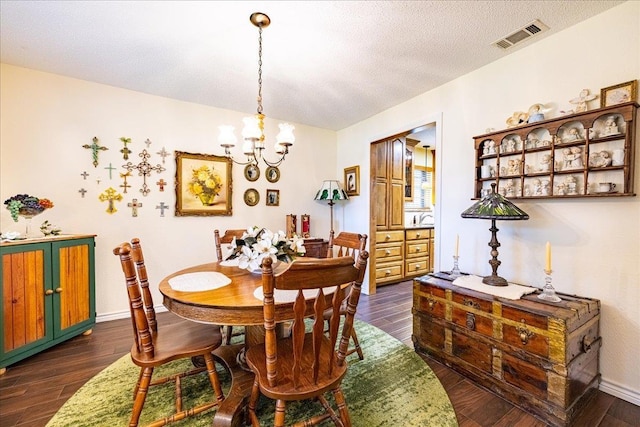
(227,138)
(285,137)
(251,129)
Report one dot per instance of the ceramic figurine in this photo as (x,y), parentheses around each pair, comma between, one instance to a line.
(581,100)
(545,163)
(571,185)
(610,127)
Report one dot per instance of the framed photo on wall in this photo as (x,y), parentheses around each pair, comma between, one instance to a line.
(273,197)
(352,180)
(618,94)
(203,184)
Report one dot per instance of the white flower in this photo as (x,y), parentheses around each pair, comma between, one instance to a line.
(258,243)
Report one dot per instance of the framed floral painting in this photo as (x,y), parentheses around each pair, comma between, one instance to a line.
(203,184)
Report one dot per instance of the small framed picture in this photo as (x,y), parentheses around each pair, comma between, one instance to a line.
(618,94)
(251,172)
(352,180)
(273,174)
(251,197)
(273,197)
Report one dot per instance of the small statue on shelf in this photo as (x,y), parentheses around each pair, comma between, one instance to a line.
(537,187)
(545,188)
(514,167)
(561,189)
(545,163)
(600,159)
(610,127)
(581,100)
(571,185)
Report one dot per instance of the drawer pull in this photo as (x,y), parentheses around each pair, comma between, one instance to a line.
(471,321)
(525,334)
(387,273)
(432,303)
(417,235)
(587,343)
(388,252)
(48,292)
(418,249)
(59,290)
(387,237)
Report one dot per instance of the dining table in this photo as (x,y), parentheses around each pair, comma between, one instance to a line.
(222,293)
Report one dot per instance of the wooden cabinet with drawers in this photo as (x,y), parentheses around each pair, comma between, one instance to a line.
(389,255)
(417,250)
(541,356)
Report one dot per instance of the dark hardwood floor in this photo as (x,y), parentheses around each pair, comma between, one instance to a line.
(33,390)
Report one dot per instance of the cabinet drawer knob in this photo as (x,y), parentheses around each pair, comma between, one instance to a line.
(417,235)
(388,236)
(388,272)
(48,292)
(417,249)
(388,252)
(58,290)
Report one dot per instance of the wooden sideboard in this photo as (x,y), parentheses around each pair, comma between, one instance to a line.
(47,293)
(540,356)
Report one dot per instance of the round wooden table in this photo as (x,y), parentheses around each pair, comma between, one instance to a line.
(233,304)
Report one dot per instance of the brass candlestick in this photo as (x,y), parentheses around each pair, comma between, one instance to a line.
(548,292)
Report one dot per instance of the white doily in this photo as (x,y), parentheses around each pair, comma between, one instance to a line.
(200,281)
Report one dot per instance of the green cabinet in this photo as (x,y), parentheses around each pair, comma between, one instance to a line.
(47,293)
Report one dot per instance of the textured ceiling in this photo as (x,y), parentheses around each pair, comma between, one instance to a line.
(325,63)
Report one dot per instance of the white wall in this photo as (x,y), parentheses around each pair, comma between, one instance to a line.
(47,118)
(596,242)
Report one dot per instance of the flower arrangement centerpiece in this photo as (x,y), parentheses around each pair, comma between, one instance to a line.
(257,243)
(26,206)
(205,184)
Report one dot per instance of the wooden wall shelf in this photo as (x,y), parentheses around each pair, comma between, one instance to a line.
(565,157)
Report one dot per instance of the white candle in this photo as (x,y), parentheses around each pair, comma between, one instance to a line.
(457,244)
(548,257)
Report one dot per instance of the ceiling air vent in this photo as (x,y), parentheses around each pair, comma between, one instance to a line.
(522,34)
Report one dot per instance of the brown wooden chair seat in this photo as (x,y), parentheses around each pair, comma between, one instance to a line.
(347,244)
(307,365)
(219,241)
(152,348)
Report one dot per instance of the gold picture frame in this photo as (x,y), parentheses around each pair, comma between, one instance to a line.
(251,172)
(619,94)
(352,180)
(203,184)
(251,197)
(273,174)
(273,197)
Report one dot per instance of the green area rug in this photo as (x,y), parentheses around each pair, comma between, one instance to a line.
(391,387)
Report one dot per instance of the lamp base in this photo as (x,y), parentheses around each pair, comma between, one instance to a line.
(495,281)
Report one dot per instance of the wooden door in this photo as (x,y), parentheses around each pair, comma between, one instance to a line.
(26,297)
(73,273)
(396,184)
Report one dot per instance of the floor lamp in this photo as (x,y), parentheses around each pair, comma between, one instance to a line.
(331,191)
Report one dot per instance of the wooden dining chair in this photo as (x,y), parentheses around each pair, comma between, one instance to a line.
(226,238)
(347,244)
(153,347)
(306,365)
(219,241)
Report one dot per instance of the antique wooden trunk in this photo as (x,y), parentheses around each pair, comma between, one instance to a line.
(541,356)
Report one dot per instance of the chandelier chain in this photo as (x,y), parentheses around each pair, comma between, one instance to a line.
(260,70)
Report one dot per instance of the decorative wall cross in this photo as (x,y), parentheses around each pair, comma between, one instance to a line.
(148,142)
(125,185)
(162,207)
(110,169)
(82,191)
(110,195)
(163,153)
(95,148)
(134,205)
(84,175)
(161,184)
(144,170)
(125,150)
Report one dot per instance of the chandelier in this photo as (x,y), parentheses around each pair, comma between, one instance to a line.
(253,130)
